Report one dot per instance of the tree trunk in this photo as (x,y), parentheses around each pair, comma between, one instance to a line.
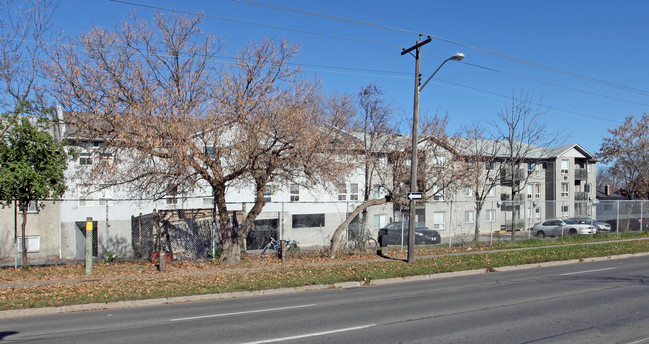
(335,240)
(23,208)
(478,210)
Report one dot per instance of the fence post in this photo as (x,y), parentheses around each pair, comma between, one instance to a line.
(89,245)
(450,226)
(491,228)
(617,217)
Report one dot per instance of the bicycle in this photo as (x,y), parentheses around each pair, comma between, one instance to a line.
(277,245)
(363,242)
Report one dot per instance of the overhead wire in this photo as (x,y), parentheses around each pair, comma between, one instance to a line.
(483,92)
(364,41)
(556,70)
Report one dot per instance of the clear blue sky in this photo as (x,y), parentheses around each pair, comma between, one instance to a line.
(603,40)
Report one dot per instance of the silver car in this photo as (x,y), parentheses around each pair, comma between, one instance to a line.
(560,227)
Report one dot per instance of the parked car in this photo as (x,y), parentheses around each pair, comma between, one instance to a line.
(628,224)
(600,226)
(391,234)
(559,227)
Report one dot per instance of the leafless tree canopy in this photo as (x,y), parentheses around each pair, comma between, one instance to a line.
(25,27)
(173,118)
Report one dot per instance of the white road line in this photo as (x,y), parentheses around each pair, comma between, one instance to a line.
(274,340)
(584,272)
(239,313)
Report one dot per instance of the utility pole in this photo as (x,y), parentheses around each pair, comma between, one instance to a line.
(414,195)
(415,139)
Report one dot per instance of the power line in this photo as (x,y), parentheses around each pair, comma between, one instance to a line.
(364,41)
(556,70)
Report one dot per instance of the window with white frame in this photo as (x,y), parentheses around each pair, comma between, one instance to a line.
(342,192)
(565,211)
(537,191)
(32,207)
(537,169)
(530,191)
(565,190)
(85,158)
(469,216)
(491,192)
(84,195)
(383,161)
(106,196)
(537,214)
(380,220)
(490,215)
(295,193)
(564,166)
(468,192)
(33,243)
(438,193)
(438,220)
(378,190)
(353,191)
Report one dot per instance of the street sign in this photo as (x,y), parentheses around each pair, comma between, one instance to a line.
(415,195)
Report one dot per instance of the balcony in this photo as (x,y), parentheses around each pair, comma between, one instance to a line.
(506,176)
(581,196)
(507,197)
(581,174)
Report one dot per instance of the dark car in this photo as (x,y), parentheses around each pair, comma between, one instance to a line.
(600,226)
(628,224)
(391,234)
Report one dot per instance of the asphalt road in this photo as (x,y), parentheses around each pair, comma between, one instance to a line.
(595,302)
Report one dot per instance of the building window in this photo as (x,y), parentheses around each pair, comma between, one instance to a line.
(342,192)
(379,192)
(85,158)
(565,211)
(492,191)
(105,196)
(295,193)
(383,161)
(564,166)
(587,188)
(380,221)
(565,187)
(438,220)
(469,216)
(33,244)
(537,169)
(490,215)
(530,191)
(353,192)
(308,220)
(438,193)
(537,214)
(85,196)
(32,207)
(489,166)
(537,191)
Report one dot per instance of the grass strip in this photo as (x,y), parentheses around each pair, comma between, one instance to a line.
(222,281)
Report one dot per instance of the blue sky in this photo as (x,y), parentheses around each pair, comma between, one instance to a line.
(509,46)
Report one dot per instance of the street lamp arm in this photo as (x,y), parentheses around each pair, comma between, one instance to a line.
(456,57)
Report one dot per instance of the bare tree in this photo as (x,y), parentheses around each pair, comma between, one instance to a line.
(440,170)
(627,149)
(157,96)
(483,157)
(524,137)
(25,27)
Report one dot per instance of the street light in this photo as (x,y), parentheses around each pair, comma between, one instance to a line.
(415,130)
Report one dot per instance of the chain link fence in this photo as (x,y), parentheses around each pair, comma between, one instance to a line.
(138,229)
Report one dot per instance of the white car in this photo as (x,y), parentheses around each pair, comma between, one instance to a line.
(560,227)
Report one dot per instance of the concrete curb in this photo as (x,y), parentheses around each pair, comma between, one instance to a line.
(293,290)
